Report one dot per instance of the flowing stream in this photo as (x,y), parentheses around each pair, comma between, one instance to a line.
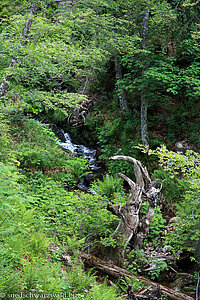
(80,150)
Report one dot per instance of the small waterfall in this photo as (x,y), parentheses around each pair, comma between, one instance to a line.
(80,150)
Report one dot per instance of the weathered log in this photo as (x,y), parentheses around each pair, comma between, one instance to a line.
(130,225)
(104,266)
(117,272)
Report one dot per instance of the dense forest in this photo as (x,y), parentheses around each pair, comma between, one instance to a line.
(100,149)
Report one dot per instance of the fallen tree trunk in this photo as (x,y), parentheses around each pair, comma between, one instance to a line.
(104,266)
(117,272)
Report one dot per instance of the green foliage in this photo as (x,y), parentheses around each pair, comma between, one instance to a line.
(173,188)
(70,213)
(35,102)
(108,187)
(102,292)
(50,66)
(187,168)
(78,167)
(24,255)
(35,146)
(6,154)
(140,261)
(133,281)
(156,226)
(79,280)
(159,267)
(64,62)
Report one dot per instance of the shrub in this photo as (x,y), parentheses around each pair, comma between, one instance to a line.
(186,167)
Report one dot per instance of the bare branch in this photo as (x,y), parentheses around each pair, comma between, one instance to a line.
(141,174)
(134,162)
(2,222)
(128,180)
(115,210)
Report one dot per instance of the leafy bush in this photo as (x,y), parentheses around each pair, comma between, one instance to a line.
(187,169)
(140,261)
(173,187)
(77,167)
(156,226)
(36,149)
(6,154)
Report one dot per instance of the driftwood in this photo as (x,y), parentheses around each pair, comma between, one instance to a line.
(132,225)
(27,26)
(117,272)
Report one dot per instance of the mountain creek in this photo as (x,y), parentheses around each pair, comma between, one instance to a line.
(179,274)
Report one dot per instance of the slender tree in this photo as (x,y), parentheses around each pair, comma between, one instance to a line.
(144,99)
(123,102)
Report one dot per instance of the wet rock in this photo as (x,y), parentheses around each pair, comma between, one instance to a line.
(183,280)
(89,178)
(183,146)
(58,132)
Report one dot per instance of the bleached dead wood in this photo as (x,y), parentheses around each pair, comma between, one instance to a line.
(131,225)
(116,272)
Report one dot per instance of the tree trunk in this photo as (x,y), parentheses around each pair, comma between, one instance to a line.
(64,6)
(117,272)
(27,26)
(144,100)
(122,95)
(130,225)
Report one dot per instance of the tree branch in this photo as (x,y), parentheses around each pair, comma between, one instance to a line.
(130,182)
(141,174)
(115,210)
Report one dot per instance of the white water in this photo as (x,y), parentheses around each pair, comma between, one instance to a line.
(80,150)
